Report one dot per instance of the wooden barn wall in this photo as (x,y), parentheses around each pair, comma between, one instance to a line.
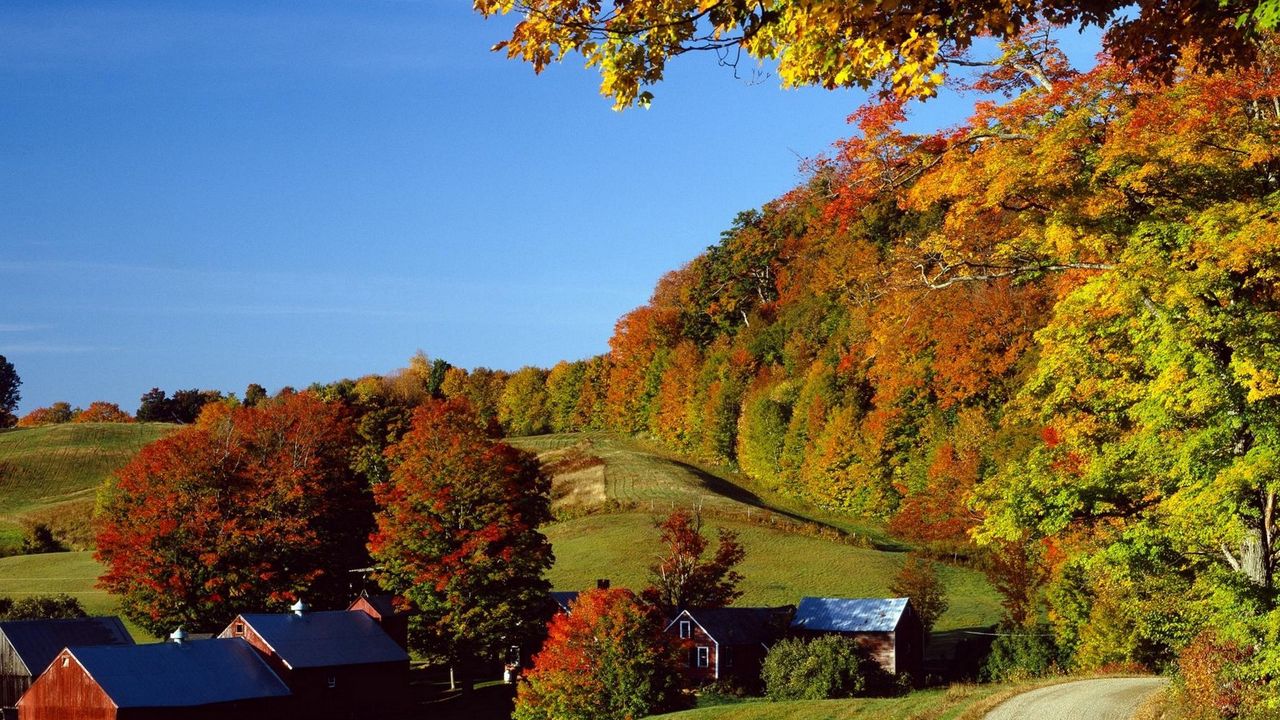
(66,692)
(359,691)
(14,676)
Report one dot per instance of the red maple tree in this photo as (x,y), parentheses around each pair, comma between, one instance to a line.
(247,510)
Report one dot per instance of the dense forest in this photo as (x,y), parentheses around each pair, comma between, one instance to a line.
(1048,336)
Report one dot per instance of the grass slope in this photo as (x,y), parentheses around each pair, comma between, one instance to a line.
(652,478)
(780,567)
(52,473)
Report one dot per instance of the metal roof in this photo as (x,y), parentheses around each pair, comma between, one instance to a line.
(849,614)
(564,598)
(38,642)
(189,674)
(326,639)
(740,626)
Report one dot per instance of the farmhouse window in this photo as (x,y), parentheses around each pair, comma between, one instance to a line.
(239,630)
(686,629)
(333,682)
(704,656)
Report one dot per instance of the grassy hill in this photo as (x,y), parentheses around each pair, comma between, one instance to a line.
(52,473)
(55,470)
(782,565)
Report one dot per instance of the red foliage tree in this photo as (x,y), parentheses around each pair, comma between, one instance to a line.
(606,659)
(100,411)
(457,535)
(682,578)
(247,510)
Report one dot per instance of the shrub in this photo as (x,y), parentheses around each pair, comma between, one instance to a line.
(38,537)
(41,607)
(830,666)
(1021,654)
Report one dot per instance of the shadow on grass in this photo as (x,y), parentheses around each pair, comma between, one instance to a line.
(488,701)
(717,485)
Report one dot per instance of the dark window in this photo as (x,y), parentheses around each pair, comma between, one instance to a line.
(238,630)
(704,656)
(333,682)
(686,629)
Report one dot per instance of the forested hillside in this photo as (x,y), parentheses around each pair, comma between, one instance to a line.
(1051,332)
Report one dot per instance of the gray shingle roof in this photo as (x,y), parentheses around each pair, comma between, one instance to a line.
(38,642)
(326,639)
(190,674)
(849,614)
(741,626)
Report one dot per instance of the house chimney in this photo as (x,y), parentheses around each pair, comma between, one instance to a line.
(602,584)
(299,607)
(178,636)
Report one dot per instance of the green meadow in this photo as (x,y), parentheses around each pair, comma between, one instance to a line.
(51,474)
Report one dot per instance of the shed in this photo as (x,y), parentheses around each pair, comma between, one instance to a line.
(28,646)
(382,608)
(728,643)
(339,664)
(203,680)
(888,628)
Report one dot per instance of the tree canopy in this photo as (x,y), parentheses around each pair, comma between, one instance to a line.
(247,510)
(906,46)
(9,395)
(457,535)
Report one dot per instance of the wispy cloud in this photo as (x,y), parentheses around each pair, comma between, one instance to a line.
(38,348)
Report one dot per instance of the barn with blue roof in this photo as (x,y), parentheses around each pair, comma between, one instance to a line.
(888,628)
(28,646)
(339,664)
(201,680)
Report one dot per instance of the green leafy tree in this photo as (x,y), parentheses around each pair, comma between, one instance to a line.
(41,607)
(825,667)
(457,535)
(522,408)
(9,395)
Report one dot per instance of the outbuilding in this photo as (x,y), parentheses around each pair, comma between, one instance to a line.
(28,646)
(201,680)
(383,610)
(888,628)
(339,664)
(728,643)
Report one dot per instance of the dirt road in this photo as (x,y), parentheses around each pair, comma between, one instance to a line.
(1101,699)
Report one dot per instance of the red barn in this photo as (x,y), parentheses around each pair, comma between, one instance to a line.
(339,664)
(728,643)
(888,628)
(28,646)
(203,680)
(383,610)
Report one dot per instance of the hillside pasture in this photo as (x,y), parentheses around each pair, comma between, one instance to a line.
(780,567)
(51,474)
(642,476)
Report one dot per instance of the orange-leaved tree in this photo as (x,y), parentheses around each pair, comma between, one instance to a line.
(249,509)
(100,411)
(457,535)
(605,659)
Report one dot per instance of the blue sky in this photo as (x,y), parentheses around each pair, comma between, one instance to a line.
(212,194)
